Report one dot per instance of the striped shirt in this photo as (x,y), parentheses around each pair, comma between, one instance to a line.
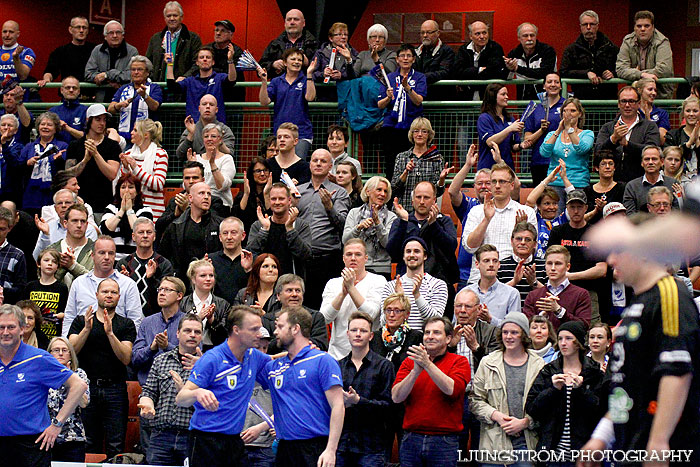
(152,183)
(432,300)
(506,272)
(565,440)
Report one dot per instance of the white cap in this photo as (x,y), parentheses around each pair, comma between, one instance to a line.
(95,110)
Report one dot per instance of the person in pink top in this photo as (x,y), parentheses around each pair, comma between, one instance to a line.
(148,162)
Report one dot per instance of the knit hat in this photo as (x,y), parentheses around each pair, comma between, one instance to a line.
(415,239)
(518,318)
(577,328)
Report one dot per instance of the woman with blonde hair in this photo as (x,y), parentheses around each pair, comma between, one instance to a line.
(372,223)
(70,442)
(148,162)
(686,137)
(647,109)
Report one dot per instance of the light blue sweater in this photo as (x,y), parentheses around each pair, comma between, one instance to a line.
(577,160)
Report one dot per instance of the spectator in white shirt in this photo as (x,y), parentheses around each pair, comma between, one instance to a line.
(355,290)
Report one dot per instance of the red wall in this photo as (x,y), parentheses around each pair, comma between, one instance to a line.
(44,24)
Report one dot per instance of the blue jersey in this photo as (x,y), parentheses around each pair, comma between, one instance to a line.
(7,66)
(532,124)
(464,258)
(658,116)
(290,104)
(231,382)
(74,114)
(196,87)
(24,390)
(486,127)
(544,228)
(298,393)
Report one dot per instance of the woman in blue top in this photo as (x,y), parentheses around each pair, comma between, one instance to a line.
(291,94)
(571,144)
(647,109)
(404,101)
(495,126)
(537,126)
(44,158)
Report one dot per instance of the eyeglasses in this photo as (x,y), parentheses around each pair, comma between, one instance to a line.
(261,171)
(341,34)
(59,351)
(589,25)
(628,101)
(523,239)
(375,38)
(461,306)
(394,311)
(165,289)
(115,33)
(427,33)
(660,205)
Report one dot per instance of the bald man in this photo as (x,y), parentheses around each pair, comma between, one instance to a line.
(435,60)
(294,35)
(15,60)
(324,206)
(192,137)
(480,58)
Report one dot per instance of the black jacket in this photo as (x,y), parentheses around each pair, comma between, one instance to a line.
(491,58)
(319,332)
(174,239)
(414,337)
(580,58)
(168,215)
(276,48)
(188,44)
(486,337)
(435,66)
(547,405)
(537,66)
(216,325)
(629,158)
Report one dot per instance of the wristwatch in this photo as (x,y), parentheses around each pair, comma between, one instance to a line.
(130,212)
(56,422)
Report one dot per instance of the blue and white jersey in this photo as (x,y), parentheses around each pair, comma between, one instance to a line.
(7,66)
(298,390)
(231,382)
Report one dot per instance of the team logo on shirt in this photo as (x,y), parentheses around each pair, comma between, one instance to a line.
(299,86)
(5,57)
(211,82)
(20,378)
(278,381)
(619,405)
(302,374)
(634,330)
(76,120)
(232,380)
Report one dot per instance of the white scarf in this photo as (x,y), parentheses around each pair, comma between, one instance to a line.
(400,104)
(42,167)
(419,50)
(146,159)
(141,111)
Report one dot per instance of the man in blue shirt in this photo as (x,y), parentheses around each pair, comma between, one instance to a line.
(26,375)
(220,387)
(71,112)
(15,60)
(207,82)
(307,395)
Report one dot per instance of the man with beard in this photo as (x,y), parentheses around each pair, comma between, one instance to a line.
(219,387)
(497,298)
(283,234)
(165,379)
(103,341)
(307,395)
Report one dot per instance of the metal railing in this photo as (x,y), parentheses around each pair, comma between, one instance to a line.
(454,123)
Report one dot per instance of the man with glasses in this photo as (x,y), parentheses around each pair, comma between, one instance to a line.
(109,62)
(70,59)
(72,113)
(159,334)
(592,56)
(523,270)
(627,135)
(635,197)
(492,222)
(434,59)
(481,58)
(659,200)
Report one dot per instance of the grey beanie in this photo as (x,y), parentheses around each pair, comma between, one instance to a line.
(518,318)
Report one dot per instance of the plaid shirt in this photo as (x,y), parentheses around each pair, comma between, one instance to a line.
(13,272)
(161,389)
(426,169)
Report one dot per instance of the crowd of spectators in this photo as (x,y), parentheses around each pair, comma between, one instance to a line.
(497,338)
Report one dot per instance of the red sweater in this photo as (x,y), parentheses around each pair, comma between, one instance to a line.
(576,300)
(429,411)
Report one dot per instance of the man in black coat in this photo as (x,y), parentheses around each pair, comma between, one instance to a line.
(434,59)
(481,58)
(294,35)
(592,56)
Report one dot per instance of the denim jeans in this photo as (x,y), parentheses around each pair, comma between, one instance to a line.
(105,418)
(167,447)
(351,459)
(428,450)
(258,457)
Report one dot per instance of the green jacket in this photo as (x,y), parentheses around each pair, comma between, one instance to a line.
(489,393)
(82,264)
(185,53)
(659,61)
